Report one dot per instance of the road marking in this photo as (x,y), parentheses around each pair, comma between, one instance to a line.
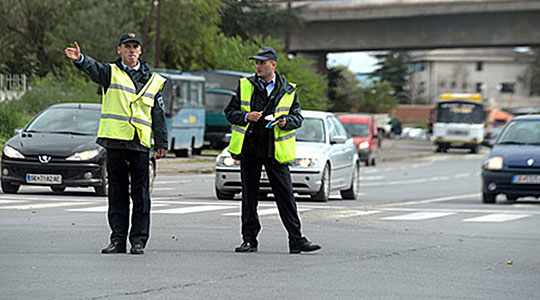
(371,177)
(104,208)
(263,212)
(496,218)
(2,202)
(419,216)
(442,199)
(191,209)
(354,213)
(44,205)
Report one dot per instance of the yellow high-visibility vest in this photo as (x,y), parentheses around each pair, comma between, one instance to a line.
(125,112)
(284,140)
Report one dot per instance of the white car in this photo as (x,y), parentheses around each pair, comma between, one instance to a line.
(327,160)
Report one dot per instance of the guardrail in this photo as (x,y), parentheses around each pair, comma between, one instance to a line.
(12,86)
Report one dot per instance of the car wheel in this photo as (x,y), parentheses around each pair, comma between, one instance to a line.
(103,189)
(374,161)
(151,175)
(263,196)
(224,195)
(488,197)
(324,193)
(352,192)
(182,153)
(9,188)
(367,162)
(58,189)
(474,149)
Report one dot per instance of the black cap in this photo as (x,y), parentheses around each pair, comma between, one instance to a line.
(265,53)
(128,37)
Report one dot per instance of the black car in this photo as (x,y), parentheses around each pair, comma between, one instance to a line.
(58,148)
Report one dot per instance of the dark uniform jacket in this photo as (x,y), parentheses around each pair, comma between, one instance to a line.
(259,141)
(101,74)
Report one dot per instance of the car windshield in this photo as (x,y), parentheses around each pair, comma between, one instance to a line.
(67,120)
(312,130)
(521,132)
(361,130)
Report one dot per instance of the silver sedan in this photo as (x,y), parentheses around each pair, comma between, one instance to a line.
(326,161)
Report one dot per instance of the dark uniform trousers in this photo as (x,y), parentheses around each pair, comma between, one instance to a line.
(280,181)
(120,164)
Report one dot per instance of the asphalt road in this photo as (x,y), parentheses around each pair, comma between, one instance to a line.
(418,231)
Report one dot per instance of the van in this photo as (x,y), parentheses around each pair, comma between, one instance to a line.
(364,132)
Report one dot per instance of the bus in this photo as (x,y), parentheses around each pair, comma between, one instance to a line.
(220,88)
(183,99)
(459,122)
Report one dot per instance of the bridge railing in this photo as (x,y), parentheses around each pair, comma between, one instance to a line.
(12,86)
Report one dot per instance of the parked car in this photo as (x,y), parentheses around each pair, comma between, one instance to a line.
(327,160)
(58,148)
(365,134)
(513,166)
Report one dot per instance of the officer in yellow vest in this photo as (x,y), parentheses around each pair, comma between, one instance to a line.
(266,95)
(132,112)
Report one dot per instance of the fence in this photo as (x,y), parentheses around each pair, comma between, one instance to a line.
(12,86)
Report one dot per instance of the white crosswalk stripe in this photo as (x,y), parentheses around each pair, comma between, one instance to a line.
(419,216)
(496,218)
(191,209)
(354,213)
(43,205)
(265,212)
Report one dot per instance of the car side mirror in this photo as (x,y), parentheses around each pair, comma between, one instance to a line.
(227,138)
(17,130)
(339,139)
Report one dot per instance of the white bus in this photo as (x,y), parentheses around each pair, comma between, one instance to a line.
(459,122)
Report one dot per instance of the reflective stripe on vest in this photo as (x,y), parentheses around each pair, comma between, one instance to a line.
(284,140)
(124,112)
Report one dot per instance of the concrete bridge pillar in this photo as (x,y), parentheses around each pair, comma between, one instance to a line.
(319,57)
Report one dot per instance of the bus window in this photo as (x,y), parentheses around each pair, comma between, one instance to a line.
(196,94)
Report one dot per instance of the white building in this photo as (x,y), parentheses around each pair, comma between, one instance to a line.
(501,75)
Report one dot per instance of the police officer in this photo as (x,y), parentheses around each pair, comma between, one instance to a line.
(132,111)
(259,99)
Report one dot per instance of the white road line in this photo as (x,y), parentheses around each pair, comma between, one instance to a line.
(2,201)
(104,208)
(264,212)
(496,218)
(371,177)
(44,205)
(474,211)
(419,216)
(442,199)
(191,209)
(354,213)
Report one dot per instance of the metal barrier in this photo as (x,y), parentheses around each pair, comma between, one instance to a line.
(12,86)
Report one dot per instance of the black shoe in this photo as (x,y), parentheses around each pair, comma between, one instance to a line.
(113,248)
(137,249)
(303,245)
(246,247)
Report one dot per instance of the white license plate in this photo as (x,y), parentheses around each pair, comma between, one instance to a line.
(44,178)
(526,179)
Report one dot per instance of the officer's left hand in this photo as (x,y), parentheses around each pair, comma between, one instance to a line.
(160,153)
(282,122)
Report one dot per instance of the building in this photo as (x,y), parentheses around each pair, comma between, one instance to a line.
(501,75)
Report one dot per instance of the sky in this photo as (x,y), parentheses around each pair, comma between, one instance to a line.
(357,62)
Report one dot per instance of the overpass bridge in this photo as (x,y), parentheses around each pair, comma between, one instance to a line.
(364,25)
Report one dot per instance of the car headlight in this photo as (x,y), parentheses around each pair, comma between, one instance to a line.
(84,155)
(363,145)
(304,162)
(12,153)
(494,163)
(227,161)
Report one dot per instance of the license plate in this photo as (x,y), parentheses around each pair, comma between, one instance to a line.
(44,178)
(526,179)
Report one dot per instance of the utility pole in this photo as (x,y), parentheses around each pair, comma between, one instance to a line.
(158,33)
(288,28)
(147,23)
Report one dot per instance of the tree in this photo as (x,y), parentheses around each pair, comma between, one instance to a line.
(343,89)
(250,18)
(393,68)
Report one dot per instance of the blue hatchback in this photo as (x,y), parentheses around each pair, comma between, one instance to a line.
(513,166)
